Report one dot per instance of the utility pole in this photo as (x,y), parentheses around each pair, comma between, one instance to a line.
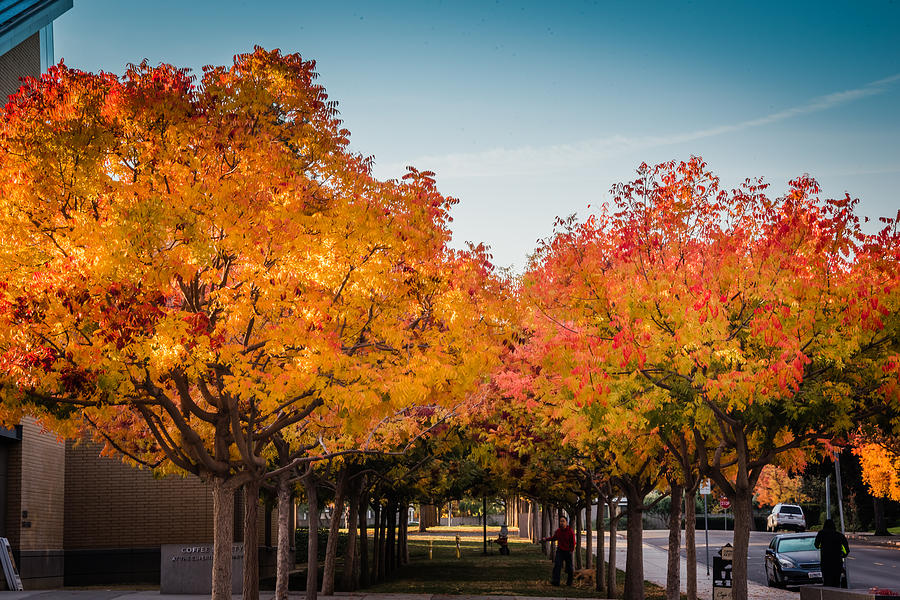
(840,503)
(828,497)
(484,521)
(840,495)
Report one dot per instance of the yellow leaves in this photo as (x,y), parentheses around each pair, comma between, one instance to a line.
(880,470)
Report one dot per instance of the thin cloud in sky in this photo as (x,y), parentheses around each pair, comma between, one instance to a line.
(553,158)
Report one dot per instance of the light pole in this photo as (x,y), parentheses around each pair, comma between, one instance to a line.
(840,503)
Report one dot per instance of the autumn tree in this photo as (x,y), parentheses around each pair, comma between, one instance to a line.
(770,321)
(776,484)
(201,267)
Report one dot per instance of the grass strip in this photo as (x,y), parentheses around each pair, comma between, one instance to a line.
(525,572)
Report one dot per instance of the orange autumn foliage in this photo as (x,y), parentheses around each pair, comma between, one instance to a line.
(777,485)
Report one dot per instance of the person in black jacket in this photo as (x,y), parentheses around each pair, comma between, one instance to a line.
(833,547)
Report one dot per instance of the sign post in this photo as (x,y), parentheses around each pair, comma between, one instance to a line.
(705,489)
(725,503)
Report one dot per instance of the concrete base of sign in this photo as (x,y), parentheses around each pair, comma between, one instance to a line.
(187,568)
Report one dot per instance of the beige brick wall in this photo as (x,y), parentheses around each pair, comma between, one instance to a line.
(43,473)
(112,505)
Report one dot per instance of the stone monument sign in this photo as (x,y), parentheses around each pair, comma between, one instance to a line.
(187,568)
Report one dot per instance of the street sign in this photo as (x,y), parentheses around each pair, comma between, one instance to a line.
(726,552)
(706,487)
(724,502)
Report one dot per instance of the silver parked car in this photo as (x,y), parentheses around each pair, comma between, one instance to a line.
(786,516)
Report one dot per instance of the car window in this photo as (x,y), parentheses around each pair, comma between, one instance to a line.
(797,544)
(791,510)
(772,544)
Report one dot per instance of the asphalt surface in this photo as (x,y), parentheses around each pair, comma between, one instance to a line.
(867,566)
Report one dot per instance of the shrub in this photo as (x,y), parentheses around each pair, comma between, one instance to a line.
(301,542)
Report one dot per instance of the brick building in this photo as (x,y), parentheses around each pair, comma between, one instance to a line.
(33,463)
(74,517)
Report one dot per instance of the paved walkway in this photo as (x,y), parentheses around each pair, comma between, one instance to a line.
(126,595)
(655,566)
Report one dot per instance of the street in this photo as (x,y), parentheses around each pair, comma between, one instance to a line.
(867,566)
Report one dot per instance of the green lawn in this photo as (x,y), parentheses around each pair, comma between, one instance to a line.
(524,572)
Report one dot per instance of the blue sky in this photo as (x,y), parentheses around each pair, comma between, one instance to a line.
(527,111)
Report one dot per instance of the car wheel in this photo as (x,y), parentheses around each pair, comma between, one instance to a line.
(779,580)
(769,581)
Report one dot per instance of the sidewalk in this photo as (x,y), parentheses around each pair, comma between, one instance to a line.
(656,566)
(870,539)
(127,595)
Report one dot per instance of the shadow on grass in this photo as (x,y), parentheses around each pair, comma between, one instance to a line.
(525,572)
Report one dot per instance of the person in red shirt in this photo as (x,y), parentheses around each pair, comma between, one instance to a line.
(565,544)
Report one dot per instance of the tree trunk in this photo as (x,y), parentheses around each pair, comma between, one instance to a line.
(589,536)
(390,555)
(577,540)
(673,567)
(350,575)
(376,542)
(742,516)
(535,521)
(284,564)
(399,557)
(880,523)
(690,543)
(312,551)
(334,533)
(600,575)
(634,556)
(250,587)
(223,538)
(611,564)
(402,549)
(381,514)
(364,542)
(428,517)
(514,522)
(406,539)
(545,528)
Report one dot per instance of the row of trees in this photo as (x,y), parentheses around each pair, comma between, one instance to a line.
(694,331)
(205,277)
